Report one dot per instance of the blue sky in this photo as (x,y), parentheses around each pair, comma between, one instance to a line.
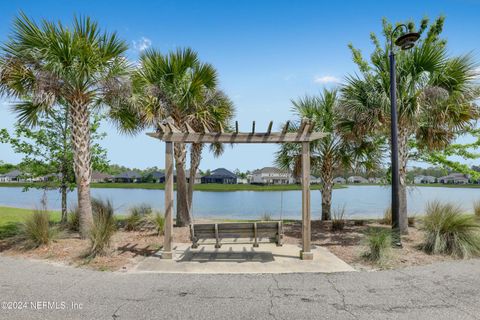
(266,53)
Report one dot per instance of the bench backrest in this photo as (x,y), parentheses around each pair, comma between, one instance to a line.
(237,230)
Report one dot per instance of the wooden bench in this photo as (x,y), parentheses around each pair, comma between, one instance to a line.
(271,231)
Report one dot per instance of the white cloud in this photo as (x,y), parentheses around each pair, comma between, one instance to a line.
(326,79)
(142,44)
(477,73)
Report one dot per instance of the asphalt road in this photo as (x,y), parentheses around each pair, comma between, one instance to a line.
(442,291)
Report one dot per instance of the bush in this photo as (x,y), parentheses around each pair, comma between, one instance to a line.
(387,216)
(266,217)
(103,228)
(158,221)
(73,219)
(359,223)
(37,230)
(137,217)
(338,219)
(476,208)
(448,231)
(379,242)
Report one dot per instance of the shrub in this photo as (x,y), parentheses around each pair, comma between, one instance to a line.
(137,217)
(37,230)
(266,217)
(338,219)
(379,242)
(476,208)
(387,216)
(359,223)
(411,222)
(448,231)
(158,221)
(73,219)
(103,228)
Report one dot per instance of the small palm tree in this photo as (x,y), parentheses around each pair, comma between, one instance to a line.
(333,152)
(178,86)
(435,97)
(49,64)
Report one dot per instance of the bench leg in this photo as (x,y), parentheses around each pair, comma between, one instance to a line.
(195,245)
(279,240)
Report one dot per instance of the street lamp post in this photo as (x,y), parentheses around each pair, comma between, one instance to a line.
(405,42)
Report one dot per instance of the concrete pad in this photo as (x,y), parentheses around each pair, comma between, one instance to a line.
(242,258)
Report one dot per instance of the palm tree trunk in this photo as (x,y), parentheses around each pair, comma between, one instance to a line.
(195,158)
(403,159)
(82,163)
(327,181)
(183,217)
(64,203)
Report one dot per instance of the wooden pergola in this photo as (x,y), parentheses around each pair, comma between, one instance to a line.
(169,133)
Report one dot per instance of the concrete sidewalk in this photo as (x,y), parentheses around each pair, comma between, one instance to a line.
(240,258)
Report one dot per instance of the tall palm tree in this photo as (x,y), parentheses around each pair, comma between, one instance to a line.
(213,113)
(178,86)
(337,150)
(51,63)
(435,97)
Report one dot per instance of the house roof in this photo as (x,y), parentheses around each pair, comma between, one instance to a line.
(13,174)
(96,175)
(339,178)
(128,175)
(454,176)
(158,174)
(221,173)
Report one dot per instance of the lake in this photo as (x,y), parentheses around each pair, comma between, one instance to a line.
(359,201)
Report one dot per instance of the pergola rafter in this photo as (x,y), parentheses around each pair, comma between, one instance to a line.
(170,134)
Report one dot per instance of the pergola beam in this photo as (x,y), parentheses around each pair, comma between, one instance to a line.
(211,137)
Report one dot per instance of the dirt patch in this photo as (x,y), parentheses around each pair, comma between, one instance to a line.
(128,248)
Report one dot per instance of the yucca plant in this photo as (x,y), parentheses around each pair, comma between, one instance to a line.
(37,230)
(338,219)
(449,231)
(476,208)
(103,228)
(379,242)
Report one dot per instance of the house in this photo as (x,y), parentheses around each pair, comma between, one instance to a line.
(424,179)
(128,177)
(315,180)
(271,175)
(375,180)
(242,181)
(339,180)
(100,177)
(454,178)
(357,179)
(160,177)
(220,175)
(12,176)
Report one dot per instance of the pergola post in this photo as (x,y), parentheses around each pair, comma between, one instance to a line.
(167,242)
(306,253)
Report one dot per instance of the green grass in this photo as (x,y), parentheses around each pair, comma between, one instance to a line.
(199,187)
(12,218)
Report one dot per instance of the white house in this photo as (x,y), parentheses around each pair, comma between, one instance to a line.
(375,180)
(271,175)
(357,179)
(454,178)
(424,179)
(12,176)
(339,180)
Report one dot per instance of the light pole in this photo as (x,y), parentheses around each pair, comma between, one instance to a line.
(405,42)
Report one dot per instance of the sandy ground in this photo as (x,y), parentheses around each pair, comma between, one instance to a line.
(128,248)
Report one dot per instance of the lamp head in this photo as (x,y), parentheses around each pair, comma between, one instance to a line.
(407,41)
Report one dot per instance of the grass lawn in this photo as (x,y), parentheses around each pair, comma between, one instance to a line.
(198,187)
(11,219)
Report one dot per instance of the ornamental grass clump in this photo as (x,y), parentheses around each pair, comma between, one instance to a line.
(138,217)
(379,243)
(338,219)
(73,219)
(158,221)
(103,228)
(37,230)
(449,231)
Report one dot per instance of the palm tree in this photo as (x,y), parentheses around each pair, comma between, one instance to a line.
(50,64)
(214,113)
(178,86)
(335,151)
(435,95)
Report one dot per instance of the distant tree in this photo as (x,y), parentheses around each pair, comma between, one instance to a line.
(6,167)
(48,153)
(435,96)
